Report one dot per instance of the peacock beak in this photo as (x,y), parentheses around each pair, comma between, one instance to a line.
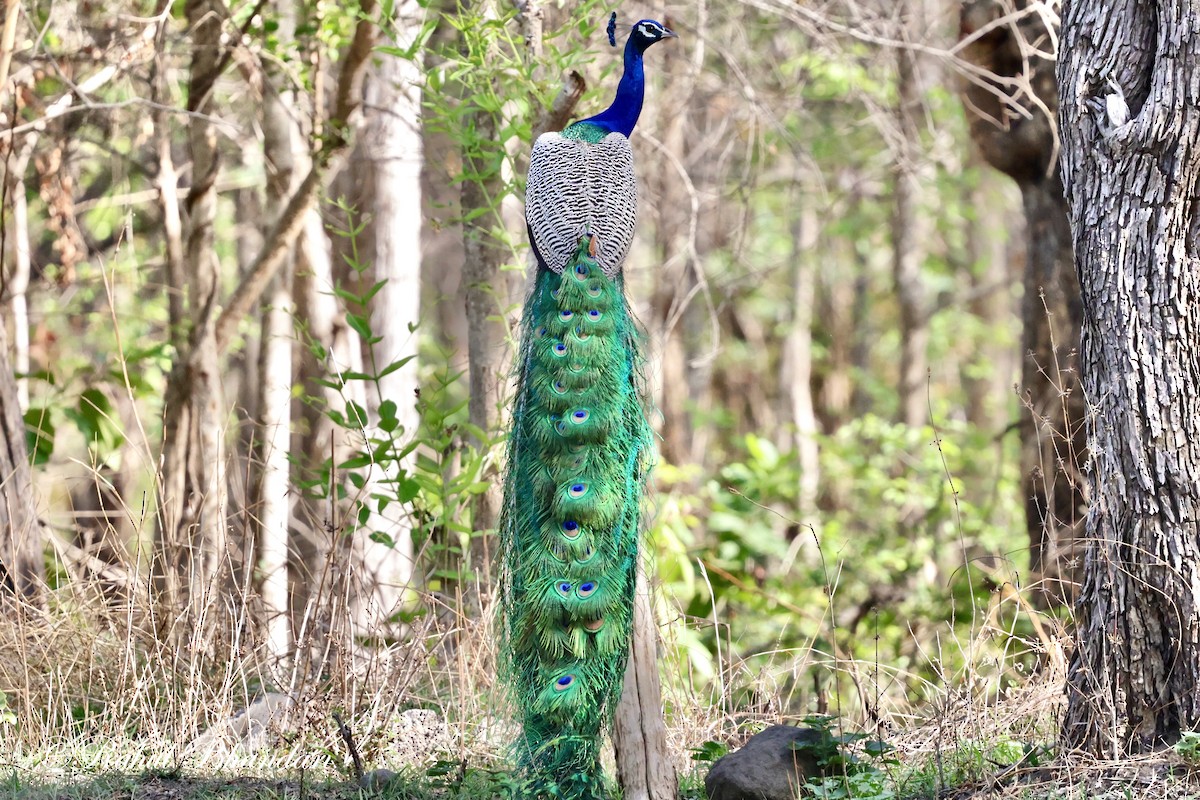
(669,34)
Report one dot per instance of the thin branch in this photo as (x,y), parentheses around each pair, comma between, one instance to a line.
(291,221)
(555,118)
(8,41)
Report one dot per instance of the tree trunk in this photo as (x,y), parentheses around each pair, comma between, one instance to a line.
(675,276)
(485,300)
(1132,188)
(14,285)
(644,766)
(797,359)
(907,235)
(387,168)
(286,156)
(22,572)
(1053,441)
(192,527)
(1016,132)
(991,278)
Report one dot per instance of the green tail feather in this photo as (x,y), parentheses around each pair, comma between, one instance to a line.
(578,456)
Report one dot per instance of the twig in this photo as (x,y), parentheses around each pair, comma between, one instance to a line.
(555,118)
(348,738)
(283,236)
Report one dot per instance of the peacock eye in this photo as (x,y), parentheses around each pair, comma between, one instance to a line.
(541,331)
(594,289)
(577,490)
(560,349)
(570,529)
(560,426)
(559,387)
(580,334)
(593,315)
(565,315)
(563,683)
(579,417)
(587,589)
(581,271)
(564,588)
(594,625)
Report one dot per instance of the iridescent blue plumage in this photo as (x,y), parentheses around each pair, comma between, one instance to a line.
(622,115)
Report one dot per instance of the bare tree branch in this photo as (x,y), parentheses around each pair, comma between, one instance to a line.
(291,221)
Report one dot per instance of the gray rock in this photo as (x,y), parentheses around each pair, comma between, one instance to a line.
(248,730)
(766,767)
(376,779)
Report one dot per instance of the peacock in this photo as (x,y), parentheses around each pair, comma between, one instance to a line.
(579,448)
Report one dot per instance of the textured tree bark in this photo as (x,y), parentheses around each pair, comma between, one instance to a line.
(286,155)
(907,234)
(386,164)
(15,284)
(22,573)
(1132,187)
(485,300)
(670,205)
(193,536)
(1012,117)
(644,767)
(797,360)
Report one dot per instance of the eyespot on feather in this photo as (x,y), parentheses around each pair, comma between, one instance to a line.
(577,490)
(580,416)
(570,529)
(594,625)
(563,588)
(594,289)
(565,315)
(559,349)
(564,683)
(581,272)
(593,315)
(587,589)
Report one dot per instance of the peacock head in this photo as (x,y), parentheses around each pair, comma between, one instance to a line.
(647,32)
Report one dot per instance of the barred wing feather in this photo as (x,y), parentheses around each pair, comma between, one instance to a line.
(577,188)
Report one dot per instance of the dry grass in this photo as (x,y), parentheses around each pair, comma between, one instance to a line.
(98,690)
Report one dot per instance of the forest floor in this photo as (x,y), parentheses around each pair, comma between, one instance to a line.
(89,715)
(955,775)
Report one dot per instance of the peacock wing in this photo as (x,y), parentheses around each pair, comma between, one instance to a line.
(576,187)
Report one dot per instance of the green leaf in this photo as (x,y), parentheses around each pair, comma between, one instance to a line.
(360,324)
(395,365)
(382,538)
(407,490)
(39,435)
(356,462)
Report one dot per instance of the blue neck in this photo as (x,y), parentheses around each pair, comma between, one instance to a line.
(623,114)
